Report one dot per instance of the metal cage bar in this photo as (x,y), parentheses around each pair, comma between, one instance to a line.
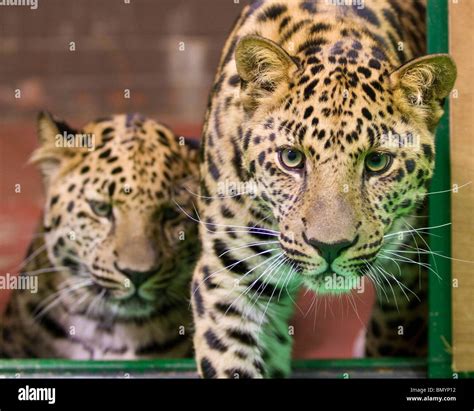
(439,300)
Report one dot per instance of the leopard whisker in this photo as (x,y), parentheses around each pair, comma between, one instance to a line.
(413,250)
(429,250)
(294,270)
(214,197)
(275,270)
(53,295)
(398,266)
(249,287)
(267,273)
(352,302)
(313,301)
(401,285)
(416,230)
(404,259)
(94,302)
(265,231)
(80,300)
(44,271)
(286,280)
(447,191)
(33,255)
(247,246)
(60,295)
(417,247)
(423,251)
(269,215)
(231,265)
(384,277)
(369,275)
(377,280)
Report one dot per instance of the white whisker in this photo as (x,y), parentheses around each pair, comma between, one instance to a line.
(232,265)
(44,270)
(38,251)
(416,230)
(448,191)
(60,295)
(248,245)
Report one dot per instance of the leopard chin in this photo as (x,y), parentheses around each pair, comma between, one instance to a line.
(132,308)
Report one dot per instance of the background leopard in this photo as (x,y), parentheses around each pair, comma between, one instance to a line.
(327,113)
(113,253)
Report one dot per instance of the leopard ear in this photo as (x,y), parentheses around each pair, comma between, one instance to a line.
(423,84)
(262,66)
(51,152)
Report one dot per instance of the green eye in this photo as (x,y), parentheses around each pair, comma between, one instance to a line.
(101,208)
(292,159)
(378,162)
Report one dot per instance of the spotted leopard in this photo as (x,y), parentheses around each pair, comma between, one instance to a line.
(318,151)
(114,252)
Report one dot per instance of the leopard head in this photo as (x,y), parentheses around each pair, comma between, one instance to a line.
(112,220)
(341,146)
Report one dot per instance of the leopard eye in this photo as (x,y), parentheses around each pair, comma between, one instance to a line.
(378,162)
(292,159)
(101,208)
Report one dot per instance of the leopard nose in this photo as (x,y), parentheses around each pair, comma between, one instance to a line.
(330,251)
(137,277)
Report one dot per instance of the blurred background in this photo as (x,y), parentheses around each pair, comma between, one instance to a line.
(77,59)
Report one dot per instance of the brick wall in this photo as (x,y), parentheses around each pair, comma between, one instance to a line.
(118,46)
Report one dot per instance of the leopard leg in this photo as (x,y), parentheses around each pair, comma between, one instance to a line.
(241,327)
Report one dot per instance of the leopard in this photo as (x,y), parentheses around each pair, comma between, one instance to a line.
(113,254)
(318,150)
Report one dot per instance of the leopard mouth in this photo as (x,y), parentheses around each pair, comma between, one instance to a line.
(111,300)
(140,304)
(133,307)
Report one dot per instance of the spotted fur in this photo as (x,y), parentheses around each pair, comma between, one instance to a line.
(114,240)
(334,83)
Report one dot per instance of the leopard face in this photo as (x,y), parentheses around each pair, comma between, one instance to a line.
(113,218)
(341,148)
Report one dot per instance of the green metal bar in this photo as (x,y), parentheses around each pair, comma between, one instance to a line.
(363,363)
(121,368)
(439,336)
(25,367)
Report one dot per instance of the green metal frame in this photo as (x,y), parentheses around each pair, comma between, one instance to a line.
(440,289)
(439,336)
(439,359)
(343,368)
